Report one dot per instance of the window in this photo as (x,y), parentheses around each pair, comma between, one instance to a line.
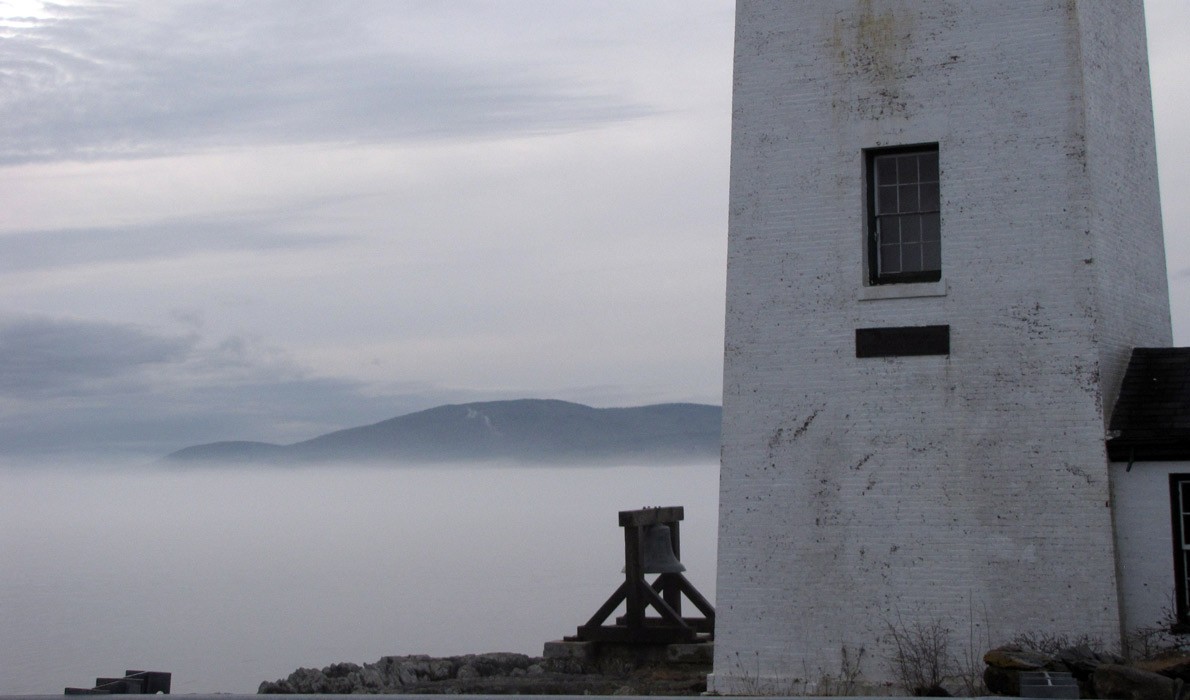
(1179,496)
(904,223)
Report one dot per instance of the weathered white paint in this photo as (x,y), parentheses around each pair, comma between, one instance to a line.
(971,489)
(1144,541)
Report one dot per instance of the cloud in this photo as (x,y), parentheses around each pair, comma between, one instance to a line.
(146,79)
(150,424)
(36,250)
(346,206)
(40,356)
(120,391)
(73,387)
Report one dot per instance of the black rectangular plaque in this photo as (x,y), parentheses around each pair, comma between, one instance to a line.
(904,341)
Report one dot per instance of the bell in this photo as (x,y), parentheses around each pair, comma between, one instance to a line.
(657,553)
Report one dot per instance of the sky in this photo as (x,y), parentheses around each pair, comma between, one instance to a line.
(268,220)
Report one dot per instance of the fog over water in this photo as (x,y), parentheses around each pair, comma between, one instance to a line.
(228,577)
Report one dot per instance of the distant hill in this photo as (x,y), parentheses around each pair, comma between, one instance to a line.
(525,430)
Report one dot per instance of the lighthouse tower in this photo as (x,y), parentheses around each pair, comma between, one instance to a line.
(945,241)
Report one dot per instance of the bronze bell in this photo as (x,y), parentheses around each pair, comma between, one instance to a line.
(656,552)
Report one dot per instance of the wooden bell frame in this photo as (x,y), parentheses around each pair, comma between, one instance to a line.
(664,594)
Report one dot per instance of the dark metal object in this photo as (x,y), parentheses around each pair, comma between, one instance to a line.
(1048,684)
(902,341)
(133,683)
(657,554)
(663,595)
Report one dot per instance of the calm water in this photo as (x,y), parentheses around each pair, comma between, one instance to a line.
(230,577)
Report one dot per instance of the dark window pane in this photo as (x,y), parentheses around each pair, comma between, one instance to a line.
(910,229)
(889,231)
(886,170)
(908,196)
(1184,586)
(931,256)
(890,258)
(929,196)
(911,257)
(930,227)
(886,200)
(928,167)
(907,168)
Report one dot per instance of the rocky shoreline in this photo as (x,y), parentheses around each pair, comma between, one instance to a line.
(570,668)
(498,673)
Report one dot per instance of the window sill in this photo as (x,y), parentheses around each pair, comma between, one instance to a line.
(903,291)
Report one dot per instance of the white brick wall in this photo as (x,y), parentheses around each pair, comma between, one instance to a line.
(971,488)
(1122,177)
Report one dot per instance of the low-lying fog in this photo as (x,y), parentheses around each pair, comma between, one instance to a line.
(227,577)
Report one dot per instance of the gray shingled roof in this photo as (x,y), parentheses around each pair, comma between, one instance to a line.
(1152,416)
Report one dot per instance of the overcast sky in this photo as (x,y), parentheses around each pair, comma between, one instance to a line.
(271,219)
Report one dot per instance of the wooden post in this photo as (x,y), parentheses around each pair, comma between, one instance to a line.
(671,592)
(633,577)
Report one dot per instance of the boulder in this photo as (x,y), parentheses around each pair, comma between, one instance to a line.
(495,673)
(441,669)
(498,663)
(371,679)
(340,670)
(1082,661)
(394,672)
(1017,659)
(1002,681)
(1128,683)
(1171,666)
(1004,665)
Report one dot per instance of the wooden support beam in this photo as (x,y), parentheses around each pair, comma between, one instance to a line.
(648,634)
(698,624)
(633,576)
(704,606)
(667,613)
(652,516)
(673,596)
(609,606)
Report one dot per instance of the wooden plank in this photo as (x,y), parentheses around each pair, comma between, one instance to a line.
(652,516)
(609,606)
(673,594)
(700,624)
(704,606)
(643,635)
(676,581)
(633,578)
(659,604)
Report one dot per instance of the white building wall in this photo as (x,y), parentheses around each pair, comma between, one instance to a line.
(1128,251)
(970,489)
(1144,541)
